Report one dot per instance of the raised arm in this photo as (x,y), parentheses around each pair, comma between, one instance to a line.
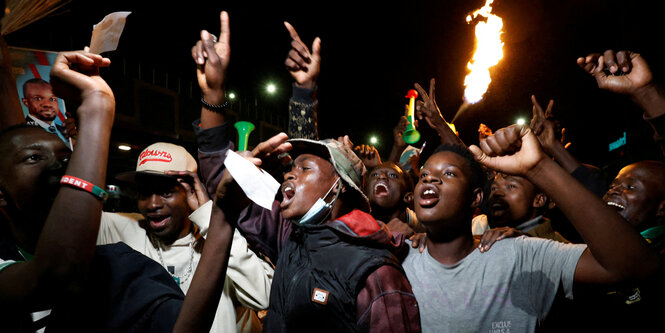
(627,73)
(212,58)
(616,251)
(544,129)
(427,109)
(398,138)
(265,230)
(213,133)
(229,195)
(200,305)
(369,155)
(250,275)
(304,66)
(67,241)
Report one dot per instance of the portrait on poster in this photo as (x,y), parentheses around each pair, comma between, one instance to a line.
(41,107)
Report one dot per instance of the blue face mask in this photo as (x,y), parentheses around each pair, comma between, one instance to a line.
(320,209)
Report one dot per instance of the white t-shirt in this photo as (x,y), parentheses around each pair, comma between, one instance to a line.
(248,278)
(507,289)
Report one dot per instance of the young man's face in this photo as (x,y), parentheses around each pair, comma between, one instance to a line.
(164,204)
(32,163)
(444,189)
(40,101)
(637,193)
(309,179)
(511,200)
(386,186)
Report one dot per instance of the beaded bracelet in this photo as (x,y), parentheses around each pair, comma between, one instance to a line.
(215,108)
(84,185)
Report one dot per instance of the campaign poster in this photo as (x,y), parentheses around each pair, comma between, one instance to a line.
(41,107)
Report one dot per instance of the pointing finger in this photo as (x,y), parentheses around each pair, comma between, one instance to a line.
(432,83)
(225,32)
(292,31)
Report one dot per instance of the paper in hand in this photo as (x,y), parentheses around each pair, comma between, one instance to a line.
(258,185)
(106,34)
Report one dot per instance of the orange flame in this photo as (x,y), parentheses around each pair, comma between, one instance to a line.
(489,50)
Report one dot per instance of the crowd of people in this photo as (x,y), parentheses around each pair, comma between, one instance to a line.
(470,238)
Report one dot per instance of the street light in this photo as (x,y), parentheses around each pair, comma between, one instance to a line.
(124,147)
(373,140)
(521,121)
(232,96)
(271,88)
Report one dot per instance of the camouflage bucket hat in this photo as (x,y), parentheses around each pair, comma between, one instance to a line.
(349,167)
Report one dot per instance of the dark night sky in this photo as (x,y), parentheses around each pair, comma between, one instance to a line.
(373,53)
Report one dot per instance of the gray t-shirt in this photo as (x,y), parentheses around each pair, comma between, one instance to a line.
(507,289)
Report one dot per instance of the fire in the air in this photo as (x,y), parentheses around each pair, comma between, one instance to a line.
(489,50)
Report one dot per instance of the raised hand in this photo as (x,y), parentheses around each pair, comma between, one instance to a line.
(628,71)
(196,192)
(80,70)
(369,155)
(545,130)
(212,58)
(346,141)
(265,151)
(398,138)
(303,65)
(398,132)
(514,150)
(270,149)
(542,127)
(426,107)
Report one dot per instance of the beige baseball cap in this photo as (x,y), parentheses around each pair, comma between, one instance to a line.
(157,159)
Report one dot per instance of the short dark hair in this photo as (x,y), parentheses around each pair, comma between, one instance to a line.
(35,80)
(477,173)
(6,132)
(9,129)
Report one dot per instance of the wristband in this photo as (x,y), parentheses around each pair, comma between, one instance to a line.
(84,185)
(215,108)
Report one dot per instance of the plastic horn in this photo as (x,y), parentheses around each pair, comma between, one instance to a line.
(411,135)
(244,128)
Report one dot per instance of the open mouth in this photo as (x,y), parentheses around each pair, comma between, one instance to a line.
(428,198)
(498,207)
(288,192)
(159,221)
(380,189)
(618,207)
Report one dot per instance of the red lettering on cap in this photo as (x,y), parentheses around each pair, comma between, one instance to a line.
(154,156)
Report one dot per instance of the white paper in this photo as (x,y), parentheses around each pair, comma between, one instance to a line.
(258,185)
(106,34)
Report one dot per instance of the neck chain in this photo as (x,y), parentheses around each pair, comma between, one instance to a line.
(178,279)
